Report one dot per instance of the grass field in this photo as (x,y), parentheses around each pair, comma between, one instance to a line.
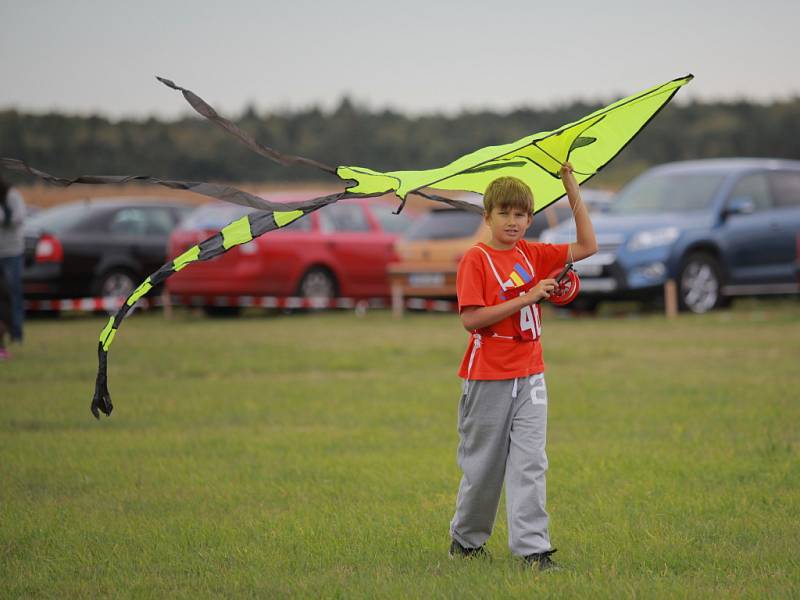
(314,456)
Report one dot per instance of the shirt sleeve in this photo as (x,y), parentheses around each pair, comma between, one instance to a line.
(549,257)
(469,282)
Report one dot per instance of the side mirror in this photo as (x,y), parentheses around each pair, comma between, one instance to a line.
(740,205)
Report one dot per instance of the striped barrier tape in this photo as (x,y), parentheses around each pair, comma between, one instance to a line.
(107,304)
(111,304)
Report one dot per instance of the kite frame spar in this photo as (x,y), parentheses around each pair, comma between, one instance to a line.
(500,160)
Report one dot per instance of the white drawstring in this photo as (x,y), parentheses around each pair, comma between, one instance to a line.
(530,266)
(514,390)
(476,343)
(491,264)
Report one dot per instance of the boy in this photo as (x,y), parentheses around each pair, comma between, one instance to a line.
(502,418)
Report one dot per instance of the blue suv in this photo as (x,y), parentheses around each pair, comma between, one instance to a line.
(718,227)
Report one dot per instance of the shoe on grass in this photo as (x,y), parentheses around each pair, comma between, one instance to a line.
(543,561)
(4,354)
(459,551)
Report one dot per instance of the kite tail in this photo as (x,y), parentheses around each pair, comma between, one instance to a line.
(101,401)
(217,191)
(234,234)
(206,110)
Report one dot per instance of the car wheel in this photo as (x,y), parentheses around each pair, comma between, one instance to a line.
(317,283)
(700,284)
(117,283)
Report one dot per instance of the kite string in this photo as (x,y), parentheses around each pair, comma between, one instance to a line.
(574,224)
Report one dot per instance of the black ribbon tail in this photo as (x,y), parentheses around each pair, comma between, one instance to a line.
(102,398)
(205,109)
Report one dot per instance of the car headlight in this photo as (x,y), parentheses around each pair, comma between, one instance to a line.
(653,238)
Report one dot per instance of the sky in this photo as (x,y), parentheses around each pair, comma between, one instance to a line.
(101,57)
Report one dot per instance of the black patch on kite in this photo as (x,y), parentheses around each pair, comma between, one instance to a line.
(163,273)
(211,247)
(496,166)
(582,141)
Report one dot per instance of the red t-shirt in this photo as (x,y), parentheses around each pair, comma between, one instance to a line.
(478,284)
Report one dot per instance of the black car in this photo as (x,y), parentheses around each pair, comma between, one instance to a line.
(98,247)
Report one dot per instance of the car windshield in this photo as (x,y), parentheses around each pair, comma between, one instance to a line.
(59,218)
(444,225)
(667,192)
(390,222)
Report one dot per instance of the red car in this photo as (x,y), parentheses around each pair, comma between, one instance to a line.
(339,250)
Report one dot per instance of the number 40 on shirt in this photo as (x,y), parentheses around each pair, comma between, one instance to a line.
(530,322)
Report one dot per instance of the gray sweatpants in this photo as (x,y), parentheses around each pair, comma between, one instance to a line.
(502,427)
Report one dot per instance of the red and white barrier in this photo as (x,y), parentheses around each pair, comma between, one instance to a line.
(111,304)
(108,304)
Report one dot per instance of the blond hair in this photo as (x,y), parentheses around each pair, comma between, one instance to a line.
(508,193)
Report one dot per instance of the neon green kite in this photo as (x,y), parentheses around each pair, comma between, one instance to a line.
(589,144)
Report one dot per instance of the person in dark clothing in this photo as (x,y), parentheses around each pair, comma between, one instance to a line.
(12,248)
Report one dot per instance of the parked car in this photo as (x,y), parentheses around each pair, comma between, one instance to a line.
(719,228)
(430,250)
(99,247)
(339,250)
(597,201)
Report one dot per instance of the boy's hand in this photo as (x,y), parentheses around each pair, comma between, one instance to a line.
(566,174)
(540,291)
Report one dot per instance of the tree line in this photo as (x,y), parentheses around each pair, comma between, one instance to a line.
(193,148)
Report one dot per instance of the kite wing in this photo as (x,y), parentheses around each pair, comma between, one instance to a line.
(589,144)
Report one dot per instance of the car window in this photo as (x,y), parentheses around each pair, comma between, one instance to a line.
(549,217)
(159,220)
(445,224)
(596,200)
(538,225)
(755,187)
(390,222)
(343,218)
(59,218)
(182,212)
(786,188)
(129,221)
(658,192)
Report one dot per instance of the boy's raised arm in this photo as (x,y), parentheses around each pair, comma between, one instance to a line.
(586,244)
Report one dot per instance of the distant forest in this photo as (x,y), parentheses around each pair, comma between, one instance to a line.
(193,148)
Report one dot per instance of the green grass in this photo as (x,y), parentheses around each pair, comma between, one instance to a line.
(314,456)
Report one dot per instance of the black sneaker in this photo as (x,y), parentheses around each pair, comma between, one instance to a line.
(459,551)
(543,561)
